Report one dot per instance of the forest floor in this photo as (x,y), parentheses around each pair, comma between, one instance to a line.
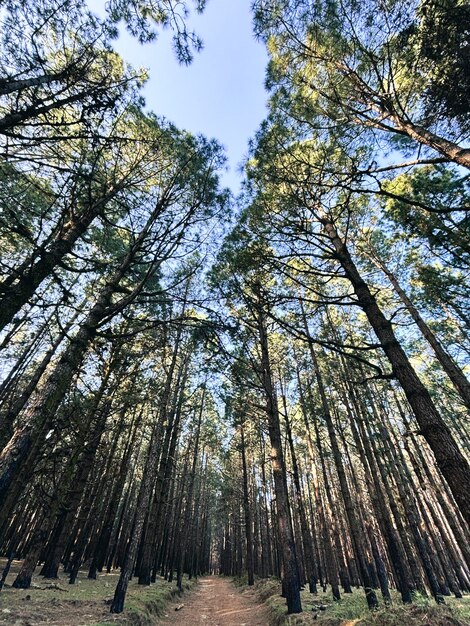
(214,601)
(320,610)
(56,603)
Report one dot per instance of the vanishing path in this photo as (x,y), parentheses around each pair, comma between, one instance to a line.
(216,602)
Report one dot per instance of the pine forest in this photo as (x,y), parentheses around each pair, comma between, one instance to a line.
(236,408)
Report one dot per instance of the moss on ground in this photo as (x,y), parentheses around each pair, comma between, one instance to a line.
(352,610)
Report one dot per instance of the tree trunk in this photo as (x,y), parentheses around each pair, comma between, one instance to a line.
(152,523)
(450,367)
(449,458)
(9,415)
(310,566)
(145,492)
(327,524)
(355,527)
(285,536)
(28,438)
(185,535)
(40,266)
(247,509)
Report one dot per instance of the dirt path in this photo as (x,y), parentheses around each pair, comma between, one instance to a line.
(216,602)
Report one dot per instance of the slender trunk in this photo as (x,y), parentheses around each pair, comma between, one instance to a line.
(356,531)
(28,438)
(382,514)
(151,523)
(398,122)
(25,283)
(449,458)
(189,499)
(310,566)
(285,536)
(454,372)
(376,488)
(328,525)
(446,507)
(40,417)
(10,414)
(247,509)
(145,492)
(10,85)
(167,470)
(10,382)
(407,496)
(6,569)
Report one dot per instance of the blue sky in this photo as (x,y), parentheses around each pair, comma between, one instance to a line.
(221,94)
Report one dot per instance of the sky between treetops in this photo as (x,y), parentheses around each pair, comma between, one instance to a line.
(221,94)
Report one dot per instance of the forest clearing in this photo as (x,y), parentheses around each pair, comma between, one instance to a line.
(235,398)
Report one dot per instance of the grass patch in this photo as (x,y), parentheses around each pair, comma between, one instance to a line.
(240,581)
(145,604)
(56,603)
(352,610)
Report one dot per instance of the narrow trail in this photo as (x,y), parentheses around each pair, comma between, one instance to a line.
(216,602)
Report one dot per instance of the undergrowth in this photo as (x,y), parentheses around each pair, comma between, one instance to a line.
(352,610)
(144,604)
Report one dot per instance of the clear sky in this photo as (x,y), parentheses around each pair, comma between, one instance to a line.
(221,94)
